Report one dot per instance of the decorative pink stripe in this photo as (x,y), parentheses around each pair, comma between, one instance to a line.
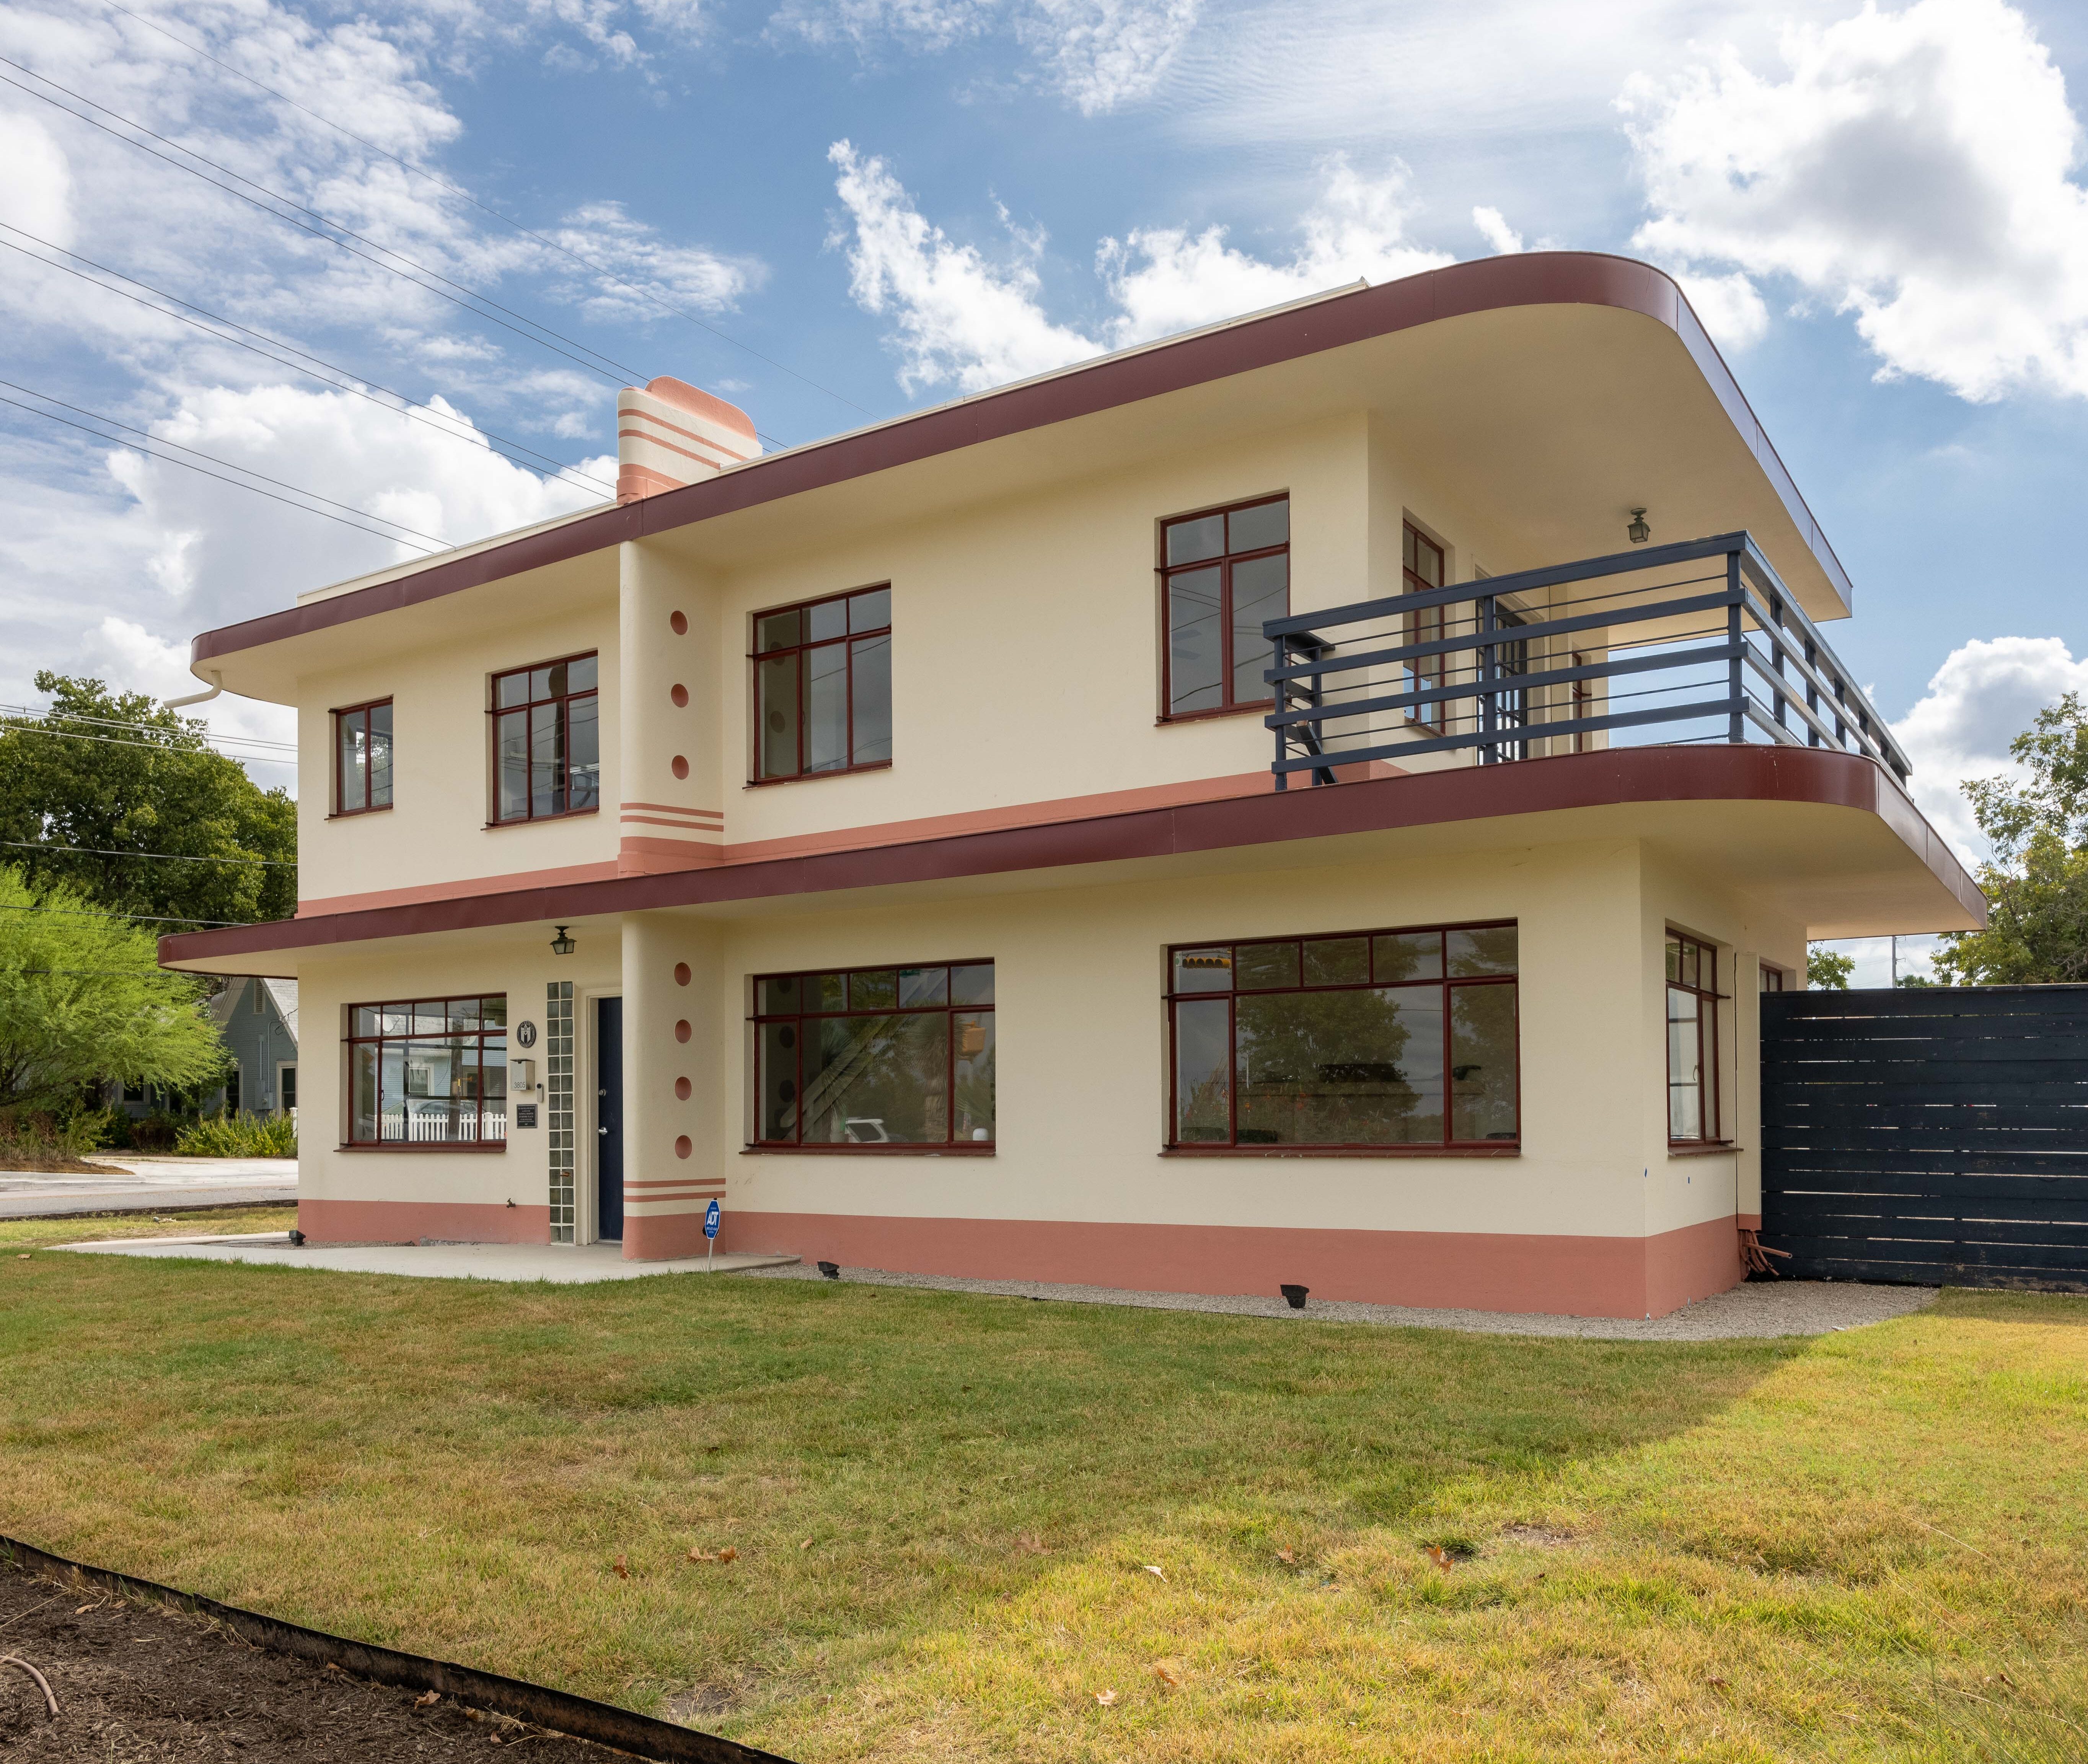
(662,820)
(668,446)
(676,808)
(636,413)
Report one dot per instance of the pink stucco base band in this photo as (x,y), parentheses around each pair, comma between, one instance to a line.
(1484,1270)
(411,1221)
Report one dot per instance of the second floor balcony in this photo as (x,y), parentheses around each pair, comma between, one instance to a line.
(1687,643)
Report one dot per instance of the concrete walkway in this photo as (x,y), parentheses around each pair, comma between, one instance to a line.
(136,1184)
(561,1263)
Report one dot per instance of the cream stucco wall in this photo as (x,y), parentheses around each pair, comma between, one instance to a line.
(436,831)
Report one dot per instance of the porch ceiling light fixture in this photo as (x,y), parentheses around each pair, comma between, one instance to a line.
(1638,531)
(563,944)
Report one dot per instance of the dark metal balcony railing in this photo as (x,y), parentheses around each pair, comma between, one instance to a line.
(1714,648)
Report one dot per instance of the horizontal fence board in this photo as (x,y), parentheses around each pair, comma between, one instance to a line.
(1895,1273)
(1931,1134)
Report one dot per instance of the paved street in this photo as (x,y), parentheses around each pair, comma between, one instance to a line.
(137,1182)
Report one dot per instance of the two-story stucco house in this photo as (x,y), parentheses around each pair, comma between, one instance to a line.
(1316,800)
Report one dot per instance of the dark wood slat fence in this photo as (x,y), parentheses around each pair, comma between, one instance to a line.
(1936,1135)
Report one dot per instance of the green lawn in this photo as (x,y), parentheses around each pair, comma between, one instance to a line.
(1874,1545)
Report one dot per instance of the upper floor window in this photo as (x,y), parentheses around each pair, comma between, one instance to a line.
(1772,978)
(1363,1040)
(883,1056)
(362,758)
(1692,1041)
(823,686)
(1222,575)
(1421,570)
(428,1071)
(547,741)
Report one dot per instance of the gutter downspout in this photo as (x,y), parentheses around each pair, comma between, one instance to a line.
(216,686)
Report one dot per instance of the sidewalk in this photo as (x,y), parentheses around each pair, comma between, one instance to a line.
(125,1183)
(562,1264)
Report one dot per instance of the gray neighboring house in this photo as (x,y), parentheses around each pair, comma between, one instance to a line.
(258,1020)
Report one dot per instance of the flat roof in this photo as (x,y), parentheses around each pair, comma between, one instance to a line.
(1289,333)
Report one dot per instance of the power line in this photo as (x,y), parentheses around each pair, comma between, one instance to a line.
(229,465)
(13,726)
(156,728)
(316,232)
(146,918)
(455,190)
(181,857)
(443,426)
(168,460)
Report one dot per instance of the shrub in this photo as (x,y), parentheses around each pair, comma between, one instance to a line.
(37,1138)
(241,1136)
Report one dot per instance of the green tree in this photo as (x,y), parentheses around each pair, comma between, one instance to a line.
(2037,880)
(118,771)
(1828,969)
(82,998)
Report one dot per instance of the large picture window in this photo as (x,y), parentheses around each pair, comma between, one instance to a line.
(1366,1041)
(428,1072)
(362,758)
(823,686)
(547,741)
(1692,1041)
(876,1056)
(1222,575)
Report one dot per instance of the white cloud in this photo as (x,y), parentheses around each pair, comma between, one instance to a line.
(36,192)
(964,319)
(1731,306)
(1985,694)
(1913,168)
(1493,227)
(1099,54)
(638,259)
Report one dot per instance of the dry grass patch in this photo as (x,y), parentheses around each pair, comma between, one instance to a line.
(942,1510)
(20,1234)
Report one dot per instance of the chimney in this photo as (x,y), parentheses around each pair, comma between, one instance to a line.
(669,433)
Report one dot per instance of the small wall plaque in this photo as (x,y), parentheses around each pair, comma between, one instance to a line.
(525,1114)
(526,1033)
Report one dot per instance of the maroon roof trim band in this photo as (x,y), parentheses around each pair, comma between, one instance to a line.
(1421,799)
(1535,279)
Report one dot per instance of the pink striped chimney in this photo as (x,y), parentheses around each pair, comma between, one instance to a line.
(669,433)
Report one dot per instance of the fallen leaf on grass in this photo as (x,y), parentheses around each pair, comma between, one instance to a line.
(1029,1542)
(728,1554)
(806,1544)
(1288,1556)
(427,1699)
(622,1568)
(1155,1573)
(1168,1672)
(1717,1684)
(1106,1697)
(1442,1558)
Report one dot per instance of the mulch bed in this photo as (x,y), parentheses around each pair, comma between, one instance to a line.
(137,1681)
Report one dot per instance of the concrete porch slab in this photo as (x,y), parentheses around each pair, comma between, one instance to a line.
(563,1264)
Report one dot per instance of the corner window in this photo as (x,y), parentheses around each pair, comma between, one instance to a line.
(823,686)
(1368,1040)
(882,1057)
(1222,575)
(362,758)
(547,741)
(1421,570)
(1692,1041)
(428,1072)
(1772,978)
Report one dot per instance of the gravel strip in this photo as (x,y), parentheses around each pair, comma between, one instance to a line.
(1760,1309)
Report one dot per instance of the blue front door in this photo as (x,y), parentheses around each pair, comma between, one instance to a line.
(608,1119)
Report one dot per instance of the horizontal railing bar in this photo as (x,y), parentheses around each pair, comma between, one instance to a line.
(1522,581)
(1510,738)
(1879,742)
(1333,709)
(1769,588)
(1446,646)
(1756,714)
(1821,725)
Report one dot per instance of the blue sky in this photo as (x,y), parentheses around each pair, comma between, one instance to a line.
(1880,212)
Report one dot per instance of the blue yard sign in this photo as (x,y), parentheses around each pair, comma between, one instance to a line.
(711,1216)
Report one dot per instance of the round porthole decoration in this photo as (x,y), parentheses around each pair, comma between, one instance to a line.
(677,623)
(681,973)
(680,696)
(682,1088)
(683,1147)
(680,768)
(682,1032)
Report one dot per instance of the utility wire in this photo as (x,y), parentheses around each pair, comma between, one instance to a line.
(600,269)
(11,727)
(434,419)
(146,918)
(181,857)
(441,543)
(317,232)
(153,728)
(168,460)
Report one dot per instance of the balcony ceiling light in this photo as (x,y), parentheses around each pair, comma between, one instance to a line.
(1638,531)
(562,944)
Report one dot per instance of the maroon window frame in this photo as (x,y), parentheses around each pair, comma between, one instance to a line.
(556,712)
(850,1022)
(458,1043)
(1692,996)
(800,652)
(1398,960)
(1216,567)
(362,719)
(1772,977)
(1422,568)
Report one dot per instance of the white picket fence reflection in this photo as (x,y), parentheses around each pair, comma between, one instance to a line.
(438,1123)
